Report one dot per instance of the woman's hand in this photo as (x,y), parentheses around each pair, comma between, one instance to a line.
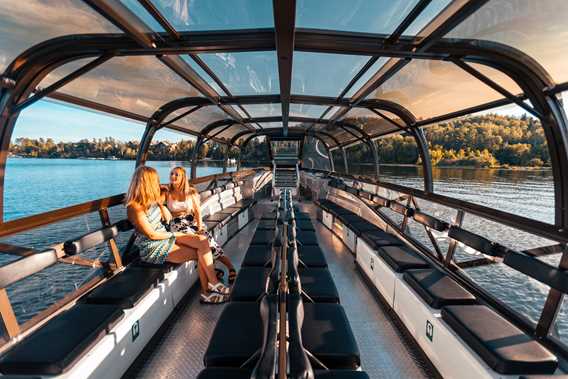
(166,215)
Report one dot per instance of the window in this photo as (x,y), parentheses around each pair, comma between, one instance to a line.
(74,157)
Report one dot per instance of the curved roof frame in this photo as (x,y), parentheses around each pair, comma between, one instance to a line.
(25,72)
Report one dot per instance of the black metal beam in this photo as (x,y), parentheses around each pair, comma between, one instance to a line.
(496,87)
(409,19)
(147,4)
(284,25)
(61,82)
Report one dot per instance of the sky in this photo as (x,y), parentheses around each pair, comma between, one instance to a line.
(68,123)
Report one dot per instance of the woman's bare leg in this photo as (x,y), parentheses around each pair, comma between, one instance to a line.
(202,278)
(204,256)
(226,261)
(180,254)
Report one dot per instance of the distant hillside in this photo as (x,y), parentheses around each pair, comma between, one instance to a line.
(481,141)
(109,147)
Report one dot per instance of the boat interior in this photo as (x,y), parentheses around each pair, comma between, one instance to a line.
(341,272)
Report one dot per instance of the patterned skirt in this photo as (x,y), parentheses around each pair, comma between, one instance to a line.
(186,225)
(154,251)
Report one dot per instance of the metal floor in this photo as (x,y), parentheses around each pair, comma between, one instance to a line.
(177,349)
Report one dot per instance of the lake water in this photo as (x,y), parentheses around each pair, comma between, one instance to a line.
(38,185)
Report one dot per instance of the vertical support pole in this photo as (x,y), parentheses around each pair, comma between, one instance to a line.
(453,243)
(239,159)
(552,304)
(226,159)
(105,220)
(7,313)
(194,155)
(149,132)
(424,152)
(345,160)
(375,152)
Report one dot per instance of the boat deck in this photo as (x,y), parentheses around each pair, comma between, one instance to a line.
(177,349)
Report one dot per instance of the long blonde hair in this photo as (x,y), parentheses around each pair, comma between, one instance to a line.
(185,188)
(144,189)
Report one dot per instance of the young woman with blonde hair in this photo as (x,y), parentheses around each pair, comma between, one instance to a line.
(157,245)
(183,202)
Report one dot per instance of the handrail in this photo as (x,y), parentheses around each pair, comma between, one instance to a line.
(525,224)
(31,222)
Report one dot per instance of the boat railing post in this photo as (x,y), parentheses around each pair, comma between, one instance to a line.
(105,220)
(8,316)
(453,243)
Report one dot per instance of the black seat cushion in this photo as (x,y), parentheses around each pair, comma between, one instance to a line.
(312,256)
(266,225)
(58,344)
(244,203)
(503,346)
(233,210)
(221,217)
(257,256)
(302,216)
(350,218)
(263,237)
(362,226)
(126,288)
(305,225)
(305,237)
(378,238)
(326,333)
(250,284)
(211,225)
(236,337)
(224,373)
(437,289)
(318,284)
(401,258)
(340,374)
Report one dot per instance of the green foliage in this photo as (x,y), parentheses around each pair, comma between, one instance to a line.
(480,141)
(110,148)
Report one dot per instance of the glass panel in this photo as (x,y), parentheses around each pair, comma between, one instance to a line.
(211,159)
(377,16)
(312,73)
(45,160)
(205,76)
(539,29)
(230,132)
(217,14)
(138,84)
(247,73)
(330,113)
(62,71)
(428,88)
(200,118)
(427,15)
(399,160)
(307,110)
(142,13)
(369,122)
(367,75)
(264,110)
(24,24)
(360,160)
(285,148)
(255,153)
(315,155)
(560,327)
(338,162)
(498,158)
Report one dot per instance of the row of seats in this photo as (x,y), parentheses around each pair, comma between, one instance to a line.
(324,330)
(59,344)
(445,318)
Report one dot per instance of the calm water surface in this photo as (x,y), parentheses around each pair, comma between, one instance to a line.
(38,185)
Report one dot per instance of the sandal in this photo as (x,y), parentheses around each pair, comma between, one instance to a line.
(220,274)
(219,288)
(212,298)
(232,275)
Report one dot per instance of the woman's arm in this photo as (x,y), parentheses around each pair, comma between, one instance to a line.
(138,218)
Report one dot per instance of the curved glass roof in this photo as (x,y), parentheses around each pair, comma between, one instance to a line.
(243,59)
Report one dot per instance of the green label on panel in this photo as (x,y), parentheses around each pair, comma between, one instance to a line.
(429,330)
(135,330)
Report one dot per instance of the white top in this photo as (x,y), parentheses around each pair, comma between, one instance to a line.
(180,206)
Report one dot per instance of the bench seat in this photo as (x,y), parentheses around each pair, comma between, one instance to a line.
(62,341)
(437,289)
(257,256)
(312,256)
(318,284)
(126,288)
(401,258)
(250,284)
(504,347)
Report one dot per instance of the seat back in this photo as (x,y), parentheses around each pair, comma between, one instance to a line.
(300,366)
(265,367)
